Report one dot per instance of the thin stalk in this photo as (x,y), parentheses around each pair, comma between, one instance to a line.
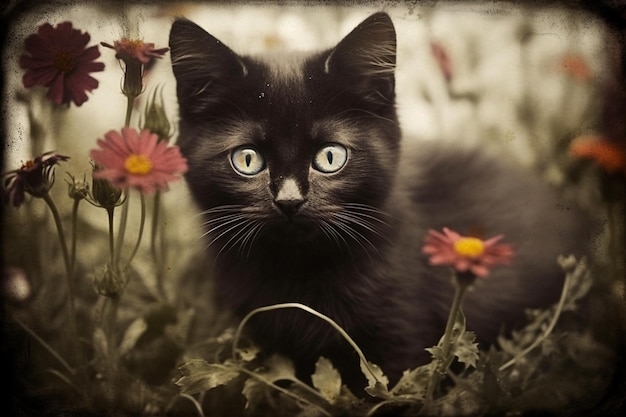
(74,235)
(73,336)
(315,313)
(154,236)
(446,346)
(548,330)
(45,345)
(57,220)
(110,213)
(286,392)
(122,228)
(129,109)
(142,222)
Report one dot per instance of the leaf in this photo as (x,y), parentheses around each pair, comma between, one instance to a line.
(466,350)
(415,382)
(278,368)
(579,278)
(132,334)
(326,379)
(199,375)
(376,380)
(255,392)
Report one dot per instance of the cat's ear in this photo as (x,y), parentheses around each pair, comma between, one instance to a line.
(367,55)
(200,61)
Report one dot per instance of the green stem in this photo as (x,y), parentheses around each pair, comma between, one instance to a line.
(446,346)
(315,313)
(73,336)
(154,236)
(45,345)
(57,220)
(546,333)
(110,213)
(286,392)
(129,109)
(74,235)
(122,228)
(140,235)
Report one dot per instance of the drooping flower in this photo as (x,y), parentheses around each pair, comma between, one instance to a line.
(609,154)
(134,53)
(59,59)
(132,159)
(35,177)
(466,254)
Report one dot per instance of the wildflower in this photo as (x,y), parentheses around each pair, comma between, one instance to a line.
(610,155)
(35,177)
(58,59)
(138,160)
(466,254)
(156,119)
(135,54)
(576,66)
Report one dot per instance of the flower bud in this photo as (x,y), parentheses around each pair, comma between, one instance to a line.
(77,190)
(109,282)
(156,118)
(105,194)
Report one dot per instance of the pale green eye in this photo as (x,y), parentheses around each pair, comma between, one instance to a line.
(247,161)
(331,158)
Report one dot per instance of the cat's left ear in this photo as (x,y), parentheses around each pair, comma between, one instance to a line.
(367,55)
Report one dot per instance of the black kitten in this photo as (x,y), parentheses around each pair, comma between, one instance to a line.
(295,162)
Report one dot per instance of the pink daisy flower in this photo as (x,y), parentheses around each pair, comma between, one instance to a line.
(132,159)
(58,59)
(466,253)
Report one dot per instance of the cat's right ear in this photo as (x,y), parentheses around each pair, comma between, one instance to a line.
(201,63)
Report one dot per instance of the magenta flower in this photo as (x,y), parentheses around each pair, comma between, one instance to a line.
(466,253)
(127,49)
(58,59)
(138,160)
(35,177)
(135,54)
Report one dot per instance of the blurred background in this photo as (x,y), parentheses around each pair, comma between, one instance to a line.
(529,79)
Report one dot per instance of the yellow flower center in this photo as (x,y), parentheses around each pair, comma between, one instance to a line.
(469,246)
(132,44)
(138,165)
(64,62)
(28,164)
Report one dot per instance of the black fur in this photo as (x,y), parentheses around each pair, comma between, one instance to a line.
(352,250)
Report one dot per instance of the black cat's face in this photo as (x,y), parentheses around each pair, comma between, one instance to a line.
(288,148)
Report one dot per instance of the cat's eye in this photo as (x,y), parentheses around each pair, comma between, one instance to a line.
(247,161)
(331,158)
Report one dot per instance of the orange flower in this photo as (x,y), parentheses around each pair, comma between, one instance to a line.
(610,155)
(576,66)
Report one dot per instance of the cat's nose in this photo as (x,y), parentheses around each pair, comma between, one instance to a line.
(289,207)
(289,198)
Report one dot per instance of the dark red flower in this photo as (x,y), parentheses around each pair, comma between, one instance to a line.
(58,59)
(35,177)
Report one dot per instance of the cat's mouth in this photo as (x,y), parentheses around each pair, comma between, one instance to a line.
(295,229)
